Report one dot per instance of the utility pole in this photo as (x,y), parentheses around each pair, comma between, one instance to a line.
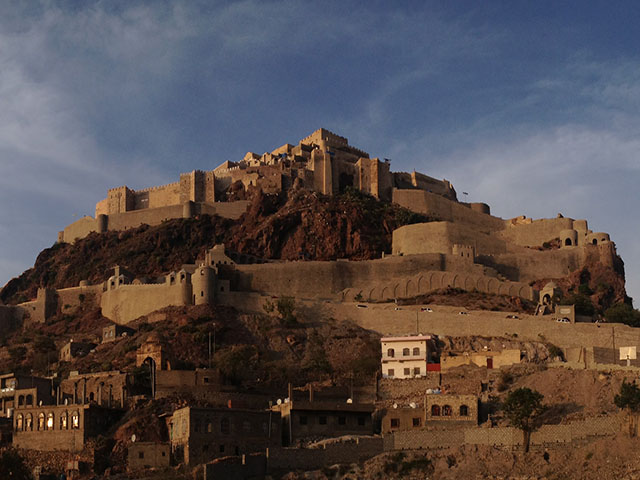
(209,349)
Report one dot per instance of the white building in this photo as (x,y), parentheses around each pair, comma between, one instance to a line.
(404,357)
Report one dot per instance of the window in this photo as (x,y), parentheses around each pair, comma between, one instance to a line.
(435,410)
(464,411)
(50,421)
(164,454)
(416,350)
(303,420)
(19,422)
(205,379)
(209,427)
(361,421)
(391,352)
(322,420)
(30,400)
(221,448)
(41,421)
(447,411)
(29,422)
(225,426)
(416,422)
(342,420)
(63,421)
(391,372)
(405,352)
(140,454)
(395,423)
(75,420)
(416,370)
(407,372)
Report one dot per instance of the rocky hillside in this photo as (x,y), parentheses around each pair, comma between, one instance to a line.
(300,225)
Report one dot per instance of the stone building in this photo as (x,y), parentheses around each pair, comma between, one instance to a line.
(107,389)
(73,349)
(23,390)
(405,357)
(198,435)
(60,427)
(142,455)
(113,332)
(323,418)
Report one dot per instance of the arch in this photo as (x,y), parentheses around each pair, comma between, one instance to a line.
(524,292)
(421,284)
(469,283)
(75,420)
(481,285)
(64,424)
(493,285)
(568,242)
(546,300)
(29,400)
(437,280)
(20,400)
(19,422)
(384,294)
(41,421)
(412,289)
(50,421)
(397,291)
(28,422)
(595,241)
(514,290)
(447,411)
(459,281)
(503,289)
(435,410)
(464,411)
(448,280)
(405,352)
(391,352)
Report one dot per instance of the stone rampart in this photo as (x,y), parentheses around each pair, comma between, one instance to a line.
(436,206)
(537,232)
(439,237)
(128,302)
(504,436)
(149,216)
(313,458)
(428,281)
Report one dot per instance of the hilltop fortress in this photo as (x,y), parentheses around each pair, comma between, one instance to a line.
(465,248)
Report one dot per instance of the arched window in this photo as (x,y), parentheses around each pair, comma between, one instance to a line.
(21,400)
(41,421)
(29,400)
(209,427)
(595,241)
(405,352)
(416,350)
(464,411)
(435,410)
(29,422)
(19,422)
(63,421)
(225,426)
(447,411)
(50,421)
(567,242)
(75,420)
(391,352)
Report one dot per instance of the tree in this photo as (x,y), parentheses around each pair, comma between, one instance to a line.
(623,313)
(523,407)
(629,399)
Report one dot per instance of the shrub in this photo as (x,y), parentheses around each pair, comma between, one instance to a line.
(623,313)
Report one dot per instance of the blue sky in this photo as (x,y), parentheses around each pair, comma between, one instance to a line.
(532,107)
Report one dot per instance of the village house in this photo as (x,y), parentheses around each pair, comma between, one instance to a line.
(405,357)
(141,455)
(23,390)
(199,435)
(73,349)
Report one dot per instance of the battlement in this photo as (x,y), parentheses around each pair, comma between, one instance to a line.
(157,187)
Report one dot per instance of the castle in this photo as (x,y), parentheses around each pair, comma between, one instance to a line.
(323,162)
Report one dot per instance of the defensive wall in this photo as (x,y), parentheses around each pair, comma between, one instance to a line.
(347,451)
(149,216)
(440,237)
(49,300)
(509,437)
(441,208)
(328,279)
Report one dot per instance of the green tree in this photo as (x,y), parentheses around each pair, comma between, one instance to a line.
(582,303)
(623,313)
(286,307)
(523,407)
(629,399)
